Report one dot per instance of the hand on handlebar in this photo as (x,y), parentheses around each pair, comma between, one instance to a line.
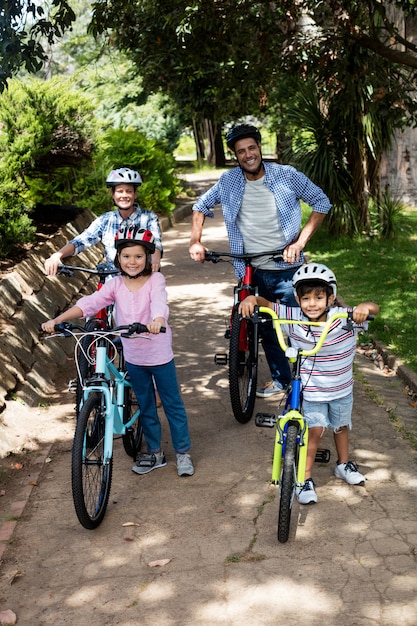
(247,306)
(197,252)
(362,312)
(292,253)
(49,326)
(155,327)
(51,265)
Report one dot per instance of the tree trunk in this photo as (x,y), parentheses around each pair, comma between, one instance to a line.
(199,142)
(215,156)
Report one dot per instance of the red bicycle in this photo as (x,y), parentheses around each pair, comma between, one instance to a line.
(244,338)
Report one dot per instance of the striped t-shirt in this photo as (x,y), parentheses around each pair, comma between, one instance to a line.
(327,375)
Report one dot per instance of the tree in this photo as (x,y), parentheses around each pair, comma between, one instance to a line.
(202,53)
(25,26)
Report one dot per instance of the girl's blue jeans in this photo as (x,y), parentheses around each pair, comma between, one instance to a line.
(165,376)
(275,285)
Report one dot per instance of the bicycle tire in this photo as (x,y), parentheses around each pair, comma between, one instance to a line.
(288,482)
(85,367)
(243,368)
(132,440)
(90,477)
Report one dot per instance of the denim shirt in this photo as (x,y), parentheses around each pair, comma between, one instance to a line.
(288,186)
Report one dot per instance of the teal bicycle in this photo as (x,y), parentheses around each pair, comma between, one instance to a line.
(108,408)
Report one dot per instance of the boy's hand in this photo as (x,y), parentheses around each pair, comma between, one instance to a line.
(360,313)
(246,307)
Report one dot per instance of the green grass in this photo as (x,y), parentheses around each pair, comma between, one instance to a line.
(383,271)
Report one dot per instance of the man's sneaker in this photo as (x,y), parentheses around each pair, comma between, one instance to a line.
(349,472)
(270,389)
(145,463)
(185,466)
(306,494)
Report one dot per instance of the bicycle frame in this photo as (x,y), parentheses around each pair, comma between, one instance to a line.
(107,379)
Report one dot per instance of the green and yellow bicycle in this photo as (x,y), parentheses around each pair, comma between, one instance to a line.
(291,437)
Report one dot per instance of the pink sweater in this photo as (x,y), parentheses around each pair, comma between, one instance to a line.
(142,306)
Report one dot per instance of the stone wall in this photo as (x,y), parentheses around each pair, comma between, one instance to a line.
(27,298)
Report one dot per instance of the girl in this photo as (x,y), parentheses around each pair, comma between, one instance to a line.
(140,296)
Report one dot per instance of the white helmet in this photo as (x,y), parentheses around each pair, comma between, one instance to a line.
(316,272)
(123,175)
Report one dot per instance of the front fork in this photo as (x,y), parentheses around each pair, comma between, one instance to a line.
(280,442)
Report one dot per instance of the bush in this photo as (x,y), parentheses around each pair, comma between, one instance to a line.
(119,148)
(52,153)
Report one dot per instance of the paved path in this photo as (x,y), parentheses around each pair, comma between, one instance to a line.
(351,559)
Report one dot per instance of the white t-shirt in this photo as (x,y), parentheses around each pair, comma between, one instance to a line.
(258,222)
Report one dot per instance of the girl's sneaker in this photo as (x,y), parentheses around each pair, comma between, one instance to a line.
(145,463)
(306,494)
(185,466)
(349,472)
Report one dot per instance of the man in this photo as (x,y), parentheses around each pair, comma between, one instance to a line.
(123,184)
(261,208)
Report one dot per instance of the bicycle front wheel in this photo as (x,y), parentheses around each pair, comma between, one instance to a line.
(91,476)
(288,482)
(132,440)
(243,367)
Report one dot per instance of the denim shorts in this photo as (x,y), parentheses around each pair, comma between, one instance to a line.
(335,414)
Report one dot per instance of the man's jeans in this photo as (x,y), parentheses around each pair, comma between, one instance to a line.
(275,285)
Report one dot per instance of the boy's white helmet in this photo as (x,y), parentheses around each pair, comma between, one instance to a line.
(123,175)
(317,272)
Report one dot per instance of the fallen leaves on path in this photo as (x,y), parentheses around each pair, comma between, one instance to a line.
(7,618)
(160,562)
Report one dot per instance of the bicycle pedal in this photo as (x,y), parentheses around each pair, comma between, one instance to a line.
(265,420)
(322,455)
(220,358)
(72,386)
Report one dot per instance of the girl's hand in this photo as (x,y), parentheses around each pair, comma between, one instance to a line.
(155,326)
(49,326)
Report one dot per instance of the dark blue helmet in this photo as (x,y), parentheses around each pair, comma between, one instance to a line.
(242,132)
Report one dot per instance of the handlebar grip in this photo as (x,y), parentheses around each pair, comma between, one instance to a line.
(212,256)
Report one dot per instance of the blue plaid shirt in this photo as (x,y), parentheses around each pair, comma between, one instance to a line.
(288,185)
(105,227)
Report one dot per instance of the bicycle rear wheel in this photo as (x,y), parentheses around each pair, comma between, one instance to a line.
(90,475)
(288,482)
(132,440)
(85,362)
(243,367)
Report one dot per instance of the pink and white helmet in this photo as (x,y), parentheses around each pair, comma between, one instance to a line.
(134,234)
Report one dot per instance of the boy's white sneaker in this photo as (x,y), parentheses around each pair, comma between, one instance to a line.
(307,494)
(349,472)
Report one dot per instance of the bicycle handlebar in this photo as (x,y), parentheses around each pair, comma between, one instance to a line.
(215,257)
(101,270)
(66,329)
(278,323)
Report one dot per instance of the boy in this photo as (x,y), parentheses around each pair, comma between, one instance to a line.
(326,377)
